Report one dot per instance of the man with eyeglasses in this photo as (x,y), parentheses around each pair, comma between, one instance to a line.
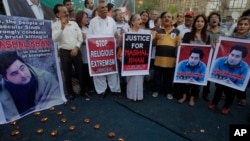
(186,27)
(179,19)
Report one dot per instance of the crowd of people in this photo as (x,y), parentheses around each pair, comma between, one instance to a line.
(71,29)
(166,37)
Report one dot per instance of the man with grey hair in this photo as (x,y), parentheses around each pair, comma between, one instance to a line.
(105,25)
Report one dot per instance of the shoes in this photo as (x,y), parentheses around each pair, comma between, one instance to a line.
(225,111)
(211,106)
(118,95)
(102,95)
(169,96)
(182,99)
(87,95)
(242,102)
(155,94)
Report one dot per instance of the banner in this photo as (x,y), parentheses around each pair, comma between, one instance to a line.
(30,75)
(22,9)
(101,52)
(136,54)
(231,62)
(193,64)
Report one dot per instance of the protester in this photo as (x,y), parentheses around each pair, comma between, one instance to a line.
(70,7)
(167,38)
(153,15)
(186,27)
(243,33)
(243,27)
(135,82)
(105,25)
(214,32)
(197,35)
(145,20)
(89,6)
(179,20)
(68,36)
(82,21)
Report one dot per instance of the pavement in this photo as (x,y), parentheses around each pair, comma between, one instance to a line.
(113,119)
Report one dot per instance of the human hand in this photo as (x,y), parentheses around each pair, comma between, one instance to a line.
(64,22)
(84,36)
(159,36)
(74,51)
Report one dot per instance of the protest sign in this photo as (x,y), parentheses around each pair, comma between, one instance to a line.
(230,65)
(101,52)
(29,69)
(136,54)
(193,64)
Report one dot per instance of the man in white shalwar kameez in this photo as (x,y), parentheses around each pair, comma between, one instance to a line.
(104,25)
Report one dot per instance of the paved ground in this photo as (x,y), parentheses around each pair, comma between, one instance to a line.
(153,119)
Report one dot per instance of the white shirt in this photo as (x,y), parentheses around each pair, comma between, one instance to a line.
(151,24)
(183,29)
(37,10)
(100,26)
(89,12)
(68,38)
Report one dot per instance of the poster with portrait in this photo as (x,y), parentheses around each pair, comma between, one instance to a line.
(30,77)
(136,54)
(29,9)
(230,65)
(193,64)
(101,52)
(22,8)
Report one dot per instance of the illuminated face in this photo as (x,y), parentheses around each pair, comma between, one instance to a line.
(84,19)
(102,10)
(194,59)
(144,17)
(167,19)
(119,16)
(69,6)
(18,73)
(91,4)
(200,23)
(214,20)
(63,12)
(136,23)
(234,57)
(243,27)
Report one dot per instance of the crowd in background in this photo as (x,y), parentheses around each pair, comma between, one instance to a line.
(168,32)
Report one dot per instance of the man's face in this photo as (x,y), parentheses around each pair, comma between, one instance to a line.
(90,4)
(18,73)
(214,21)
(234,57)
(63,12)
(119,16)
(69,6)
(194,59)
(188,21)
(167,19)
(153,15)
(103,10)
